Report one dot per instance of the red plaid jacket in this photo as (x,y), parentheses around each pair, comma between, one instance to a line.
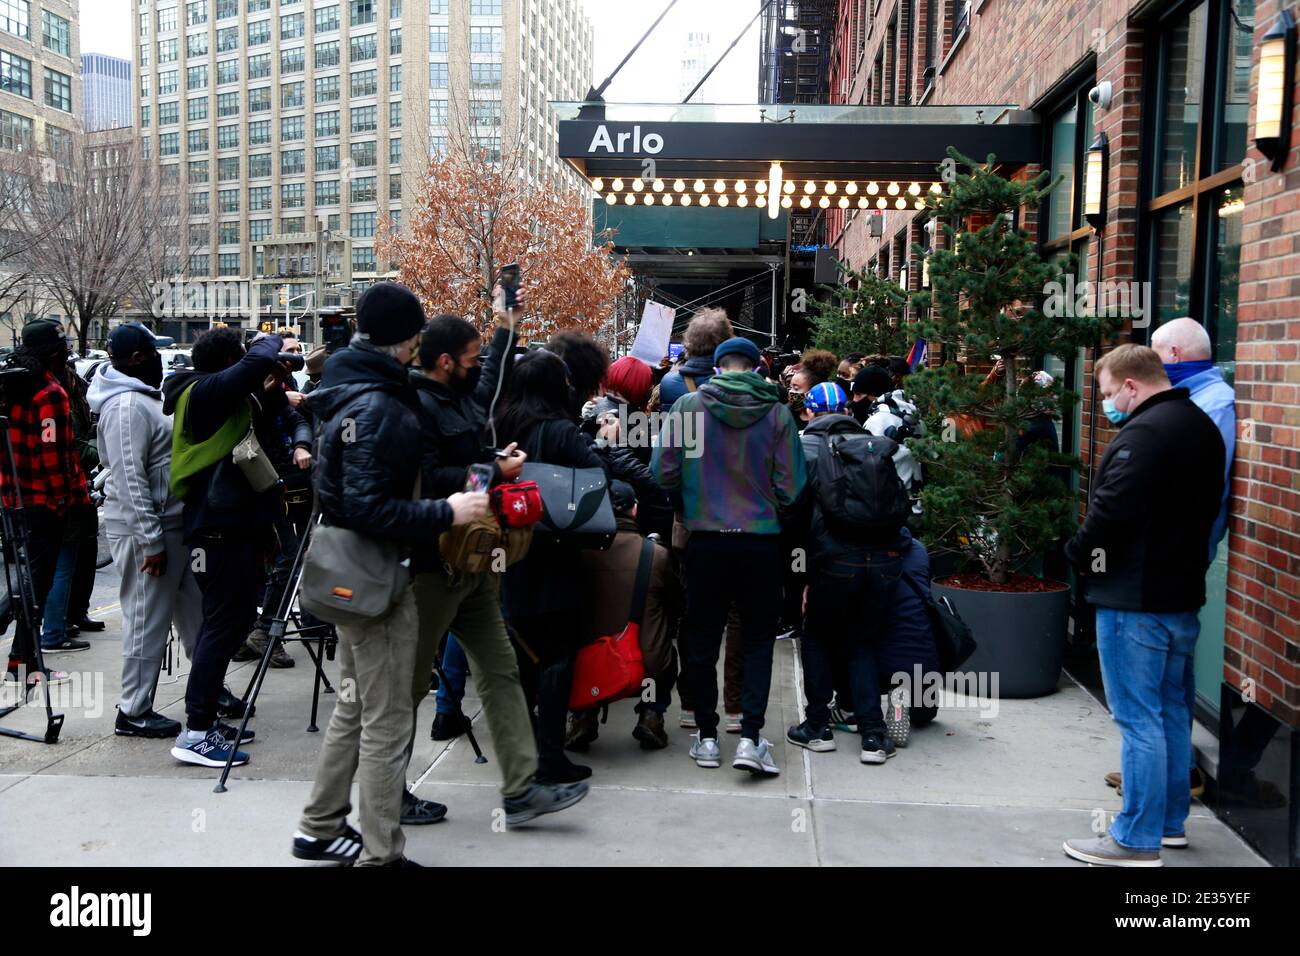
(49,474)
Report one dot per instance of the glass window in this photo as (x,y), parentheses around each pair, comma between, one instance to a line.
(395,115)
(259,133)
(54,33)
(15,74)
(169,144)
(362,225)
(1182,68)
(59,90)
(196,44)
(196,109)
(438,76)
(395,40)
(259,66)
(291,128)
(395,186)
(293,195)
(228,169)
(228,104)
(484,39)
(395,78)
(291,96)
(1231,147)
(196,78)
(327,18)
(259,166)
(365,119)
(199,203)
(395,151)
(363,189)
(258,229)
(327,54)
(166,19)
(196,12)
(259,33)
(228,137)
(1173,267)
(327,89)
(259,198)
(292,61)
(198,173)
(228,262)
(227,71)
(259,100)
(438,40)
(169,82)
(1226,276)
(291,26)
(363,48)
(227,200)
(485,76)
(16,18)
(363,11)
(364,155)
(438,7)
(363,259)
(327,159)
(292,161)
(197,140)
(487,8)
(365,83)
(327,193)
(327,124)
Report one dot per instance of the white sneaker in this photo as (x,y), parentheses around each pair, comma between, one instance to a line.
(732,724)
(705,752)
(756,758)
(898,717)
(1175,842)
(687,721)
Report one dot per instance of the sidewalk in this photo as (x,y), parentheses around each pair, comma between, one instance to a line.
(970,790)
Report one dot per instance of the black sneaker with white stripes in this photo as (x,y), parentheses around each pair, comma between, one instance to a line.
(344,848)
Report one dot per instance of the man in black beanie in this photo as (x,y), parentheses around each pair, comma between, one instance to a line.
(366,481)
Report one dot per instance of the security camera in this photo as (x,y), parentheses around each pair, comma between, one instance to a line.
(929,227)
(1101,94)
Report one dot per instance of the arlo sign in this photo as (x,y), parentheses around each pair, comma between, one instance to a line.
(652,143)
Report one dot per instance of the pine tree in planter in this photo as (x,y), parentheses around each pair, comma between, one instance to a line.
(866,316)
(996,499)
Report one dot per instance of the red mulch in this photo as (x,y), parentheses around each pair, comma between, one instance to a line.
(1019,583)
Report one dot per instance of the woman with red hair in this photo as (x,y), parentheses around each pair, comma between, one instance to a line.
(630,380)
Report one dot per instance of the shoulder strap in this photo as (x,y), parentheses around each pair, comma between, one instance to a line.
(689,380)
(916,588)
(642,581)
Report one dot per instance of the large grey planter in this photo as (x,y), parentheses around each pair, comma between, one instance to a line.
(1021,637)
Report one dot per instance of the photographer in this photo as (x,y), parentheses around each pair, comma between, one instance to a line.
(50,479)
(227,524)
(370,422)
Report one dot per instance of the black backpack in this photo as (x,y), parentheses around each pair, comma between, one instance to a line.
(858,488)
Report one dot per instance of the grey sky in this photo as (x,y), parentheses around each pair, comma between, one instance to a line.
(653,75)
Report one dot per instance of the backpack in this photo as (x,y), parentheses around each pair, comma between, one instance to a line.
(858,488)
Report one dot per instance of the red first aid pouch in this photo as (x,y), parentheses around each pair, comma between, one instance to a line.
(517,504)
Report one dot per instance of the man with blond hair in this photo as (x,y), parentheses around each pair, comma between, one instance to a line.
(1144,549)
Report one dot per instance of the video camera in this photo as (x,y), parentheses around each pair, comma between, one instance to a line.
(337,326)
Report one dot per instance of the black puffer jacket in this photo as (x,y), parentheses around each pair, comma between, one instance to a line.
(369,432)
(1145,541)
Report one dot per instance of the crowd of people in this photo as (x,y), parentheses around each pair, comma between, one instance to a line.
(772,502)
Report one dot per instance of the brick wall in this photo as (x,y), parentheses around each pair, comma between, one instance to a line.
(1017,53)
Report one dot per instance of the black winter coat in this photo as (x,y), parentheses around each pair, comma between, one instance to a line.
(1145,542)
(366,471)
(220,498)
(454,433)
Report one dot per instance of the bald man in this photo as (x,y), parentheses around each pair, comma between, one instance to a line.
(1184,347)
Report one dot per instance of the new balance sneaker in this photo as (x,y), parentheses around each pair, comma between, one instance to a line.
(755,757)
(417,812)
(1176,842)
(705,752)
(1104,851)
(344,848)
(898,717)
(810,737)
(843,720)
(876,749)
(149,724)
(542,798)
(229,731)
(732,723)
(687,720)
(210,750)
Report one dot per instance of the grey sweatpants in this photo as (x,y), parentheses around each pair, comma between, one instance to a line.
(149,606)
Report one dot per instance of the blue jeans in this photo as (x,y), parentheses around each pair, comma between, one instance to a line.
(455,667)
(1146,666)
(55,622)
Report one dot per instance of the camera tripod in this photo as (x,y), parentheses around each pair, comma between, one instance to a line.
(279,632)
(27,611)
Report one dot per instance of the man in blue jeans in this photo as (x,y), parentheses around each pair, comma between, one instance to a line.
(1144,551)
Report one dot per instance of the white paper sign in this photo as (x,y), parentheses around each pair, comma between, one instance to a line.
(656,330)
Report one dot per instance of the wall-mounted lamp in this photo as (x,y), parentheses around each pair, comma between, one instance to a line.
(1276,83)
(1094,182)
(773,190)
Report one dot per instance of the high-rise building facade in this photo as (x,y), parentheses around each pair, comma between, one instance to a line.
(280,120)
(106,92)
(40,76)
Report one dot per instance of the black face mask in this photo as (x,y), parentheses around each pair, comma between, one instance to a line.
(467,384)
(861,411)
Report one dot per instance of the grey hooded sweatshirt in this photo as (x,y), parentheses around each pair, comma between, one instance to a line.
(135,445)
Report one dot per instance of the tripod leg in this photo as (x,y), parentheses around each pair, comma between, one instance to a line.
(469,731)
(250,698)
(317,657)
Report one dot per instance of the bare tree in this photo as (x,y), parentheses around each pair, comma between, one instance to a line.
(96,216)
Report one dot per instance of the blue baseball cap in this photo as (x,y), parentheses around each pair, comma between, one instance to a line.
(736,346)
(131,337)
(826,397)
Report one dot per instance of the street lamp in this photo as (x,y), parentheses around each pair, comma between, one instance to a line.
(1094,182)
(1276,80)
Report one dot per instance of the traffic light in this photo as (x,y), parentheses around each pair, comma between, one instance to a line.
(284,296)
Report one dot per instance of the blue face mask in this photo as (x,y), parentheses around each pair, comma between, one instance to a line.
(1114,414)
